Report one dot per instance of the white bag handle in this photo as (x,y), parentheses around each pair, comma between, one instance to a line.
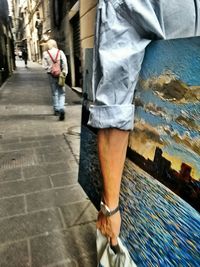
(106,256)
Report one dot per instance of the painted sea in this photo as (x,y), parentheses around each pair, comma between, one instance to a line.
(158,227)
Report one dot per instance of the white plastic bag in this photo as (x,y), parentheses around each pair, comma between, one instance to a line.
(106,256)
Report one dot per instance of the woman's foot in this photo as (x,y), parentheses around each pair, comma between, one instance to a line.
(62,115)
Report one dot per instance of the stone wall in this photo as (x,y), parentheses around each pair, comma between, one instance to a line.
(87,23)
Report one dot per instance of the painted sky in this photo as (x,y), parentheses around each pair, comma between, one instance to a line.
(181,56)
(177,120)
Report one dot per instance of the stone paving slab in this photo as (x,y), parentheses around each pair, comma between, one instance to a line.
(9,140)
(85,212)
(54,197)
(67,245)
(62,179)
(29,225)
(18,146)
(54,141)
(46,169)
(24,187)
(54,157)
(49,149)
(19,158)
(36,138)
(15,254)
(12,206)
(10,175)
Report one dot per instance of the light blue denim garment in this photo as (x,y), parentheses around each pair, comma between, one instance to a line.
(58,94)
(123,30)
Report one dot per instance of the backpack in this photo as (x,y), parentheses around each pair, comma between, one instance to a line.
(55,69)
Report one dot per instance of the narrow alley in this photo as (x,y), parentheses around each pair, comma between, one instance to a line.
(46,218)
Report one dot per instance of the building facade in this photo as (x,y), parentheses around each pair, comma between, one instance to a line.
(87,22)
(6,43)
(81,16)
(70,22)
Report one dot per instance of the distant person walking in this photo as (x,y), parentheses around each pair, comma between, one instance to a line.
(54,58)
(25,56)
(20,54)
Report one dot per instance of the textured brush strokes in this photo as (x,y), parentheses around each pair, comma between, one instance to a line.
(158,226)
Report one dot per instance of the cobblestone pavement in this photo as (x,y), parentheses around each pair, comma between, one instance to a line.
(45,216)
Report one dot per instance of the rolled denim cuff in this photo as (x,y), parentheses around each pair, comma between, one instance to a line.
(115,116)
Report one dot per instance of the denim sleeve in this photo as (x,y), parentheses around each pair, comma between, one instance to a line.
(118,55)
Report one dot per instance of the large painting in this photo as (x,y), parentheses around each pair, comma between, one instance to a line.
(160,191)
